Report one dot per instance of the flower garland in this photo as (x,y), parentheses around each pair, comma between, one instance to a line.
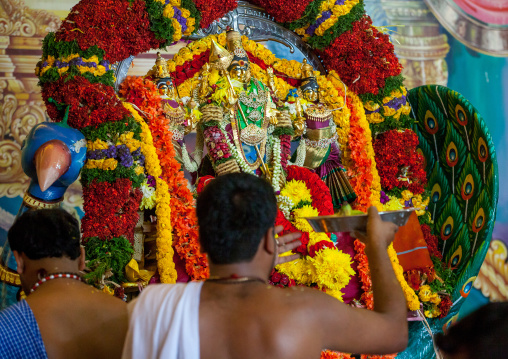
(124,34)
(398,162)
(282,12)
(113,218)
(165,263)
(183,218)
(365,278)
(363,57)
(89,104)
(322,266)
(212,10)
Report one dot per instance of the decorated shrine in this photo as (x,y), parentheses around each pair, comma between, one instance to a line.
(334,133)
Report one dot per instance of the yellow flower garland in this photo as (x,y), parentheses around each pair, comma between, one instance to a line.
(165,251)
(412,299)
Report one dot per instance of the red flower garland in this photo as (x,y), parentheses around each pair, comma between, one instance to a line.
(212,10)
(394,151)
(360,166)
(285,154)
(363,57)
(280,280)
(364,273)
(110,209)
(124,28)
(183,213)
(321,197)
(90,104)
(284,11)
(189,68)
(280,220)
(445,306)
(415,277)
(431,240)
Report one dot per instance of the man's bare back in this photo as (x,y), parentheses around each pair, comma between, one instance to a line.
(74,319)
(235,314)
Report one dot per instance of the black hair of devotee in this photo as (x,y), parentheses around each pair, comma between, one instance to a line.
(46,233)
(482,334)
(234,212)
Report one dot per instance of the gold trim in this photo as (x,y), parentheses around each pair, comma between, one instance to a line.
(35,203)
(9,277)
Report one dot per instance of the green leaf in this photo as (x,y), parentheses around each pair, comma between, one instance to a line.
(107,255)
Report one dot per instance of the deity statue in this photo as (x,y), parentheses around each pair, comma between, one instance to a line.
(243,129)
(181,120)
(319,149)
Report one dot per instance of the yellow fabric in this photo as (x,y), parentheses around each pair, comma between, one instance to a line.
(133,273)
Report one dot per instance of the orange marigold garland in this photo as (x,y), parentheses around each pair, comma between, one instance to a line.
(143,93)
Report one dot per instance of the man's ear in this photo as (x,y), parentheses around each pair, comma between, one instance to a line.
(81,259)
(269,240)
(20,263)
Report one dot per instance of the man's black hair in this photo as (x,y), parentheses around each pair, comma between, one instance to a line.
(482,334)
(234,212)
(45,233)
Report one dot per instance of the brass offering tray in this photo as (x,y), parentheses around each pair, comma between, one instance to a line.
(330,224)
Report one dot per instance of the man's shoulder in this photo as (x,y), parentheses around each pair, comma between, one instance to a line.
(19,333)
(15,315)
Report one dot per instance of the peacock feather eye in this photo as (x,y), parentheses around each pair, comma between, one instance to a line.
(451,154)
(466,288)
(447,228)
(483,151)
(431,124)
(436,193)
(455,258)
(460,115)
(479,221)
(467,189)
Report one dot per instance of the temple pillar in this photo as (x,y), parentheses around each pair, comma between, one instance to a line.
(418,42)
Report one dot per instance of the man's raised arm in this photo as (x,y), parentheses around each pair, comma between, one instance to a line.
(353,330)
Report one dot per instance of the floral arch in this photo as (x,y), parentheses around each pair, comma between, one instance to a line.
(126,151)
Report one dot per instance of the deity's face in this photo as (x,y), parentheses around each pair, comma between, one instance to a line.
(240,71)
(163,89)
(310,94)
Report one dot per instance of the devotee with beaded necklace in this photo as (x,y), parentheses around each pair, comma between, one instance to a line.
(61,317)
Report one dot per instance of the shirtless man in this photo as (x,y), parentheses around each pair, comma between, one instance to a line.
(61,317)
(235,314)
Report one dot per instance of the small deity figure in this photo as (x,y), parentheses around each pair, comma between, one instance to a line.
(243,129)
(314,121)
(180,120)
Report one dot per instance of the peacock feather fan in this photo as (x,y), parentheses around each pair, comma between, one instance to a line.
(462,174)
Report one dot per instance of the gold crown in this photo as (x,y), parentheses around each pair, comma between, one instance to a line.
(307,70)
(160,69)
(220,58)
(234,43)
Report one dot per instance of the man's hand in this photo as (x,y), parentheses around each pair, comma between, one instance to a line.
(286,243)
(379,233)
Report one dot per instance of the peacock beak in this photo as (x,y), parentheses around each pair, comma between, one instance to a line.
(51,160)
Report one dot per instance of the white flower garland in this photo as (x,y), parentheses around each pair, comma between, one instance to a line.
(285,204)
(235,153)
(190,165)
(300,154)
(277,167)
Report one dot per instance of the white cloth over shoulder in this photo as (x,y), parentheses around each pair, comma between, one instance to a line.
(164,322)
